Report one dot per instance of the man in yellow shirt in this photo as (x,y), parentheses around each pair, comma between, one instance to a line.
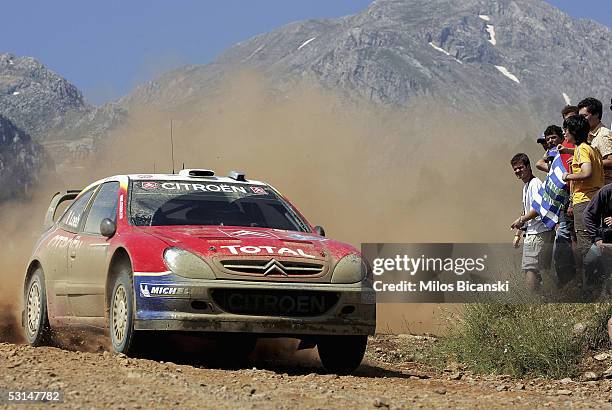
(588,177)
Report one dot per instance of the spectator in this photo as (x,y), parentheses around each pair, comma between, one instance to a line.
(598,222)
(553,136)
(587,177)
(537,247)
(542,141)
(599,136)
(563,253)
(568,111)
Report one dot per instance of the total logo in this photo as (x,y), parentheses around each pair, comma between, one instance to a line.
(148,290)
(266,250)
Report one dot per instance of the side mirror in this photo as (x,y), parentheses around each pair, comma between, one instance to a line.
(319,230)
(108,228)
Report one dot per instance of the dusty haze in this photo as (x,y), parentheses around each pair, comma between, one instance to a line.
(421,174)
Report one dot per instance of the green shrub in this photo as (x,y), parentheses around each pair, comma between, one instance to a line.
(525,339)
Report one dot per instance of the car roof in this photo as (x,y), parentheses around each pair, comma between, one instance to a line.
(124,179)
(176,177)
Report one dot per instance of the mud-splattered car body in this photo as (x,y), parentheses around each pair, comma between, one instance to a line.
(196,269)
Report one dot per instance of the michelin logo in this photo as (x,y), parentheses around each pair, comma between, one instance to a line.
(148,290)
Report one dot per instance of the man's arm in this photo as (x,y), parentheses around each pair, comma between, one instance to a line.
(592,215)
(522,220)
(586,170)
(542,165)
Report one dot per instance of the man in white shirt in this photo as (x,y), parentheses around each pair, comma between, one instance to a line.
(537,247)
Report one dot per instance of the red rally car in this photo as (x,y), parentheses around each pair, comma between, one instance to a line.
(195,252)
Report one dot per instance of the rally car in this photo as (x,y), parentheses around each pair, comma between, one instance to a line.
(195,252)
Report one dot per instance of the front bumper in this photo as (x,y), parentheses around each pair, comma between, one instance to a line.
(174,303)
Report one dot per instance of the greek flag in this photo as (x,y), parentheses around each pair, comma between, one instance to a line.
(552,195)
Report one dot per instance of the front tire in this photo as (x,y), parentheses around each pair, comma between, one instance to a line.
(342,354)
(121,314)
(36,319)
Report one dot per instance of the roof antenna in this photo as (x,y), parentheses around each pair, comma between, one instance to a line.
(153,166)
(172,146)
(183,166)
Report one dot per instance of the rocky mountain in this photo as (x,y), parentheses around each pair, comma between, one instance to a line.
(474,55)
(21,160)
(513,55)
(45,105)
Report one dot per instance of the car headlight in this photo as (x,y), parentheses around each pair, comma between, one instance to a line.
(187,264)
(350,269)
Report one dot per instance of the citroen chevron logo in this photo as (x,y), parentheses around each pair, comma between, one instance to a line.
(274,266)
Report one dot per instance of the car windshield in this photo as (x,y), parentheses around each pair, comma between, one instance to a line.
(156,203)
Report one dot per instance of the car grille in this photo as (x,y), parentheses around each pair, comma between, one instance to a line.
(273,268)
(274,302)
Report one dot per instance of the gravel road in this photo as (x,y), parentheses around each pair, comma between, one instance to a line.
(275,379)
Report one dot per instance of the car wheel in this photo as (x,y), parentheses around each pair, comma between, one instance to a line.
(121,314)
(341,354)
(36,319)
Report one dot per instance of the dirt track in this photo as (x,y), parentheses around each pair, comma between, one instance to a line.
(105,380)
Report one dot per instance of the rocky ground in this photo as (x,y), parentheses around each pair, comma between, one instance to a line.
(389,378)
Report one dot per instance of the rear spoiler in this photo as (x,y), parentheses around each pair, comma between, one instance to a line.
(57,199)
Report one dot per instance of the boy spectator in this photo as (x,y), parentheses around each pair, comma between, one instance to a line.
(537,246)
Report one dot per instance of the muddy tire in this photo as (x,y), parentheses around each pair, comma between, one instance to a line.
(341,354)
(36,318)
(124,339)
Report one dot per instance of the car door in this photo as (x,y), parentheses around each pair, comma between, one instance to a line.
(89,254)
(56,255)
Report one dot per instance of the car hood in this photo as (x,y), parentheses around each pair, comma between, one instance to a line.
(222,241)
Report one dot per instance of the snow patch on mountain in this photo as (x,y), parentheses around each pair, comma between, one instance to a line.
(491,31)
(567,99)
(507,73)
(306,42)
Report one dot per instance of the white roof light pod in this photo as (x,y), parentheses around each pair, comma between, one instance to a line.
(237,175)
(197,173)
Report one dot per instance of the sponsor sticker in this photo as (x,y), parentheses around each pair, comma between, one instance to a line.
(121,206)
(258,190)
(203,187)
(149,185)
(150,290)
(186,186)
(266,250)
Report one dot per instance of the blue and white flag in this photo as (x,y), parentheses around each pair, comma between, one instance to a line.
(552,195)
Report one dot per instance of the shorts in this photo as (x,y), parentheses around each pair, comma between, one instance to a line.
(537,251)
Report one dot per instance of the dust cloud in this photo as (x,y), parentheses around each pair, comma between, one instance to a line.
(423,173)
(20,225)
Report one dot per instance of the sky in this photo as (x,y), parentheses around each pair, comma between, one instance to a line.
(106,48)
